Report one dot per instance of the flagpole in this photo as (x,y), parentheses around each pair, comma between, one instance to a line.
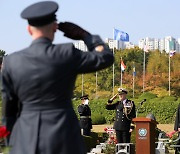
(121,73)
(82,88)
(169,74)
(133,79)
(96,84)
(113,63)
(144,70)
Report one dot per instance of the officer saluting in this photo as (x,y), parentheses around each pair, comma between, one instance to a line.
(85,116)
(38,83)
(125,111)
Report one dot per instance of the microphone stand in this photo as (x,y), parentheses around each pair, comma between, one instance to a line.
(140,106)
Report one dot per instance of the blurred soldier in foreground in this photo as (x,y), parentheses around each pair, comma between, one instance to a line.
(1,59)
(38,84)
(85,116)
(177,127)
(125,111)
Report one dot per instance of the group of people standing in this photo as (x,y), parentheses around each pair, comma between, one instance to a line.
(125,112)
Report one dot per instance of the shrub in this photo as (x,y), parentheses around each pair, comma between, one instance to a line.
(90,142)
(160,92)
(169,99)
(148,96)
(98,119)
(110,149)
(164,109)
(94,139)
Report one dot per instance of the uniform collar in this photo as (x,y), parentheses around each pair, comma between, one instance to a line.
(124,101)
(41,40)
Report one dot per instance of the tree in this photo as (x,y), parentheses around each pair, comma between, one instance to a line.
(157,63)
(2,53)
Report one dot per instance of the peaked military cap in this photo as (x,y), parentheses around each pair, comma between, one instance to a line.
(122,91)
(41,13)
(84,97)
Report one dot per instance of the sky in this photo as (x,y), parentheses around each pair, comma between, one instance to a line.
(138,18)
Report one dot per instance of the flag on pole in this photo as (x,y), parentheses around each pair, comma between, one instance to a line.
(120,35)
(134,70)
(146,48)
(123,66)
(172,53)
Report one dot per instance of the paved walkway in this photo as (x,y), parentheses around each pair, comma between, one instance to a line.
(163,127)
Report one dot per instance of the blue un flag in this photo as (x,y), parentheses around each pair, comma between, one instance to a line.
(120,35)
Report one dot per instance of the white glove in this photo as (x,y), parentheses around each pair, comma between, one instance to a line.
(86,102)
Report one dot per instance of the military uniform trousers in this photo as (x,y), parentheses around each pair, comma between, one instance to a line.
(86,126)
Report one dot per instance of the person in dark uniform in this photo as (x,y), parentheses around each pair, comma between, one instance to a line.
(85,116)
(1,58)
(38,83)
(125,111)
(177,128)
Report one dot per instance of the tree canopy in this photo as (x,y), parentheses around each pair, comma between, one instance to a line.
(157,69)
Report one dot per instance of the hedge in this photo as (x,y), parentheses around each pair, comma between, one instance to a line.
(163,108)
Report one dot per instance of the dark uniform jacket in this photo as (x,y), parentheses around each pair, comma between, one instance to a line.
(37,87)
(122,121)
(177,120)
(85,116)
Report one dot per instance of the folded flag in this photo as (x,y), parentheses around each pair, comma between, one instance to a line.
(146,48)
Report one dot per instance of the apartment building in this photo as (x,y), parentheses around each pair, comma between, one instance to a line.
(166,44)
(80,45)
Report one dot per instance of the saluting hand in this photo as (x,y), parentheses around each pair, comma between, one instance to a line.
(72,30)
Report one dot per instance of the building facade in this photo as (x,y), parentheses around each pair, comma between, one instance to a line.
(110,42)
(80,45)
(166,44)
(116,44)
